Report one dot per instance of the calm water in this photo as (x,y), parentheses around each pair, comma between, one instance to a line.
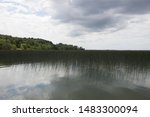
(75,75)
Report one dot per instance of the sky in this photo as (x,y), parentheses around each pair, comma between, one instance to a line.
(92,24)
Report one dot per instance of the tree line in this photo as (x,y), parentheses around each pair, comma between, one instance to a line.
(8,42)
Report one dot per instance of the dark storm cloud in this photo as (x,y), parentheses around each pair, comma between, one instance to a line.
(124,6)
(136,7)
(97,15)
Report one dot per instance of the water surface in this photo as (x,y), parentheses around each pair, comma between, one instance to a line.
(75,75)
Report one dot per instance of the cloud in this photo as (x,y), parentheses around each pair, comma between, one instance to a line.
(98,15)
(136,7)
(91,15)
(35,7)
(92,24)
(30,19)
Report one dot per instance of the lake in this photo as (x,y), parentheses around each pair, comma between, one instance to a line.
(74,75)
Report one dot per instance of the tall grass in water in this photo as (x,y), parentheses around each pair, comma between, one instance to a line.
(131,58)
(85,74)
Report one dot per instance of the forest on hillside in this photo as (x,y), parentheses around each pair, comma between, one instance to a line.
(8,42)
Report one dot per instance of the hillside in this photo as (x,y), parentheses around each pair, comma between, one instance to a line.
(16,43)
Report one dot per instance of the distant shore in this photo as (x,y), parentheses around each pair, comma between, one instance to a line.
(17,43)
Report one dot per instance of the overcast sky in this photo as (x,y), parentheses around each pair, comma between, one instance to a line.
(92,24)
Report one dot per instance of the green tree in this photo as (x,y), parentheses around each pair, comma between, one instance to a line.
(16,43)
(24,46)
